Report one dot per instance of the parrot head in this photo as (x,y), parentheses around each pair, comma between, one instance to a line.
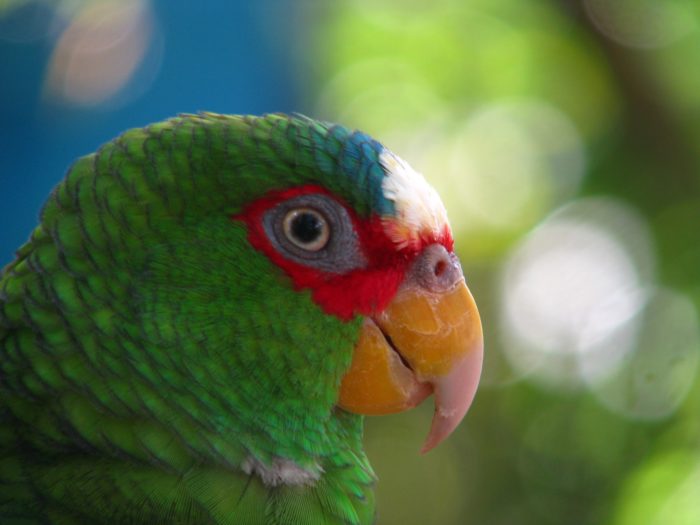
(385,255)
(213,296)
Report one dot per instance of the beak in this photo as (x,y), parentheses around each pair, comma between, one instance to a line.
(428,340)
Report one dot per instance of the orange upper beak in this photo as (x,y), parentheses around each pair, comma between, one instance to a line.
(429,339)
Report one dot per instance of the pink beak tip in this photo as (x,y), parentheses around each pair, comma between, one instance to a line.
(454,394)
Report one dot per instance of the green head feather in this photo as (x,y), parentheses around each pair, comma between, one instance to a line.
(142,337)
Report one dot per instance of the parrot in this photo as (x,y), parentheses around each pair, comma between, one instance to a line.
(207,310)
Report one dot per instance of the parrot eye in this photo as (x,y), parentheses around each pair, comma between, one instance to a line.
(306,228)
(314,230)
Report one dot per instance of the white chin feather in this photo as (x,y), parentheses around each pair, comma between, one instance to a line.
(281,472)
(419,210)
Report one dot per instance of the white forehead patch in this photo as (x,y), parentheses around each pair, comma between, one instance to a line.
(419,210)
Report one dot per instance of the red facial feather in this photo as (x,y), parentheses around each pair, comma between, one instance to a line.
(364,291)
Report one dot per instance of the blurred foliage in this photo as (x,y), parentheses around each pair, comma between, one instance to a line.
(563,138)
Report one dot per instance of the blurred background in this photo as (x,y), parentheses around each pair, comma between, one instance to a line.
(564,137)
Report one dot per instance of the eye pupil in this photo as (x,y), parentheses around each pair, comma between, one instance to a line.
(306,227)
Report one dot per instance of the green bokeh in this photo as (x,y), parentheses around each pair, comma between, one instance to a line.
(513,110)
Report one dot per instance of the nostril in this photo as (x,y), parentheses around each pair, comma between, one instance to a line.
(440,268)
(436,269)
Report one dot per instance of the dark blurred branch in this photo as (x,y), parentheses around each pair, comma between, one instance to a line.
(651,126)
(655,164)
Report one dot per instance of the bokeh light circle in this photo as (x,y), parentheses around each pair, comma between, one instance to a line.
(572,292)
(652,381)
(508,163)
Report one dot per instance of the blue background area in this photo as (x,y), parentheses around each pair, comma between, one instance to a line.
(216,56)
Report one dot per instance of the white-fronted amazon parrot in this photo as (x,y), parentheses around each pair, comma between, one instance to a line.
(204,312)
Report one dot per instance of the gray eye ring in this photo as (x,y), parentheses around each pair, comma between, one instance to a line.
(306,228)
(336,253)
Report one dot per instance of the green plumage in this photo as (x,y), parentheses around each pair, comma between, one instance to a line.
(147,350)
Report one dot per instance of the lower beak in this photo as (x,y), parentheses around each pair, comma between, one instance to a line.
(424,342)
